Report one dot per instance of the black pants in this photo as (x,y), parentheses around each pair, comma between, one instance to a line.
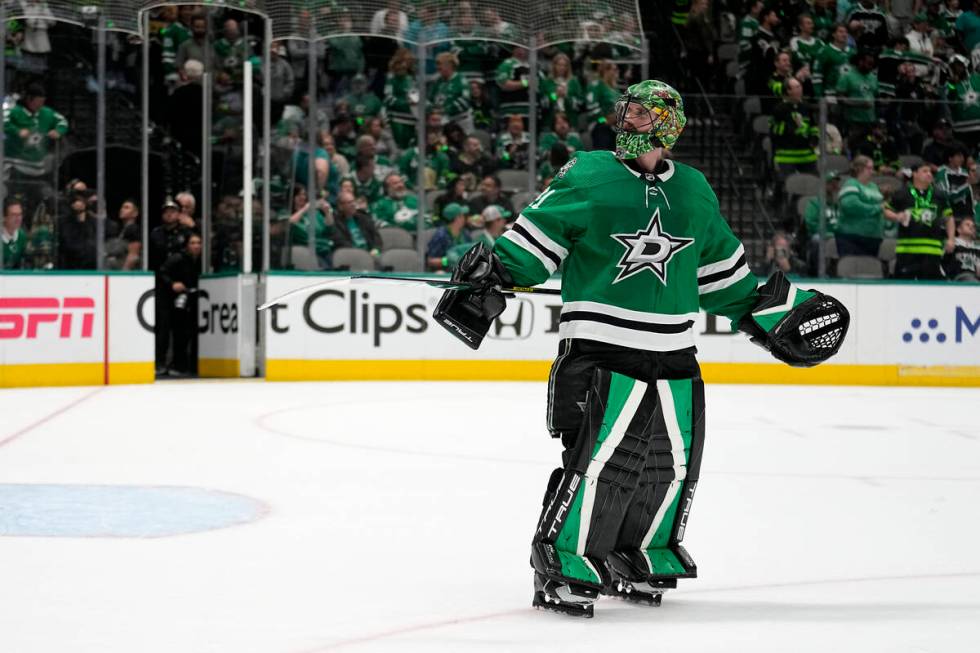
(163,302)
(919,266)
(572,370)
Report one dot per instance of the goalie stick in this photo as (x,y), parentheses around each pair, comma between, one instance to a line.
(436,283)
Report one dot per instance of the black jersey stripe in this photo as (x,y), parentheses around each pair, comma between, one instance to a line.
(541,248)
(635,325)
(723,274)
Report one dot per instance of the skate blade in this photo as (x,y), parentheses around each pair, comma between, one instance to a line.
(632,595)
(540,602)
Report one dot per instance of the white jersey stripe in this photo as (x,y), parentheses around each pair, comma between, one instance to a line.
(719,266)
(625,313)
(521,242)
(721,284)
(542,237)
(616,335)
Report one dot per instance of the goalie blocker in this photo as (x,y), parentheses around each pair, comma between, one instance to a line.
(468,314)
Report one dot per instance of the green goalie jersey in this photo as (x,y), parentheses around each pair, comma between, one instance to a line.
(638,260)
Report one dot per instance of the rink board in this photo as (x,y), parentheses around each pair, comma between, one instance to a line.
(61,329)
(901,334)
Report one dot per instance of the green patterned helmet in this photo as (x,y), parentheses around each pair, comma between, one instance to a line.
(651,103)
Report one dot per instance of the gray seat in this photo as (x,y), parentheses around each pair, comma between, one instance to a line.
(802,203)
(520,200)
(859,267)
(886,250)
(887,183)
(836,163)
(752,106)
(586,138)
(760,124)
(427,236)
(513,180)
(727,51)
(731,69)
(400,260)
(302,258)
(908,160)
(430,200)
(395,238)
(801,183)
(486,140)
(353,259)
(830,247)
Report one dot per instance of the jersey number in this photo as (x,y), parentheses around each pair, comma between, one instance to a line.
(539,200)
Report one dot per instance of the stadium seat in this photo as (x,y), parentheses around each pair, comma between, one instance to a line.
(859,267)
(353,259)
(302,258)
(427,236)
(830,247)
(752,106)
(520,200)
(430,200)
(731,69)
(586,138)
(836,163)
(486,140)
(800,183)
(513,180)
(395,238)
(760,124)
(886,251)
(400,260)
(908,160)
(727,51)
(887,183)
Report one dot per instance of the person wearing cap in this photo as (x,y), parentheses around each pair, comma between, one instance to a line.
(919,37)
(30,128)
(934,150)
(967,26)
(451,233)
(493,223)
(169,237)
(925,226)
(361,102)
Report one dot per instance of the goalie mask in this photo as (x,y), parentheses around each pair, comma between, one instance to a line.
(649,115)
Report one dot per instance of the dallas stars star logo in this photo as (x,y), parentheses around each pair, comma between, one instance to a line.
(649,249)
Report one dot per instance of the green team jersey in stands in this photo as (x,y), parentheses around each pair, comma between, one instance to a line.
(396,213)
(13,248)
(805,51)
(954,184)
(681,10)
(515,102)
(371,188)
(437,167)
(27,153)
(964,104)
(299,232)
(452,97)
(363,105)
(831,62)
(638,259)
(794,134)
(571,142)
(747,27)
(551,102)
(811,217)
(400,98)
(600,100)
(888,62)
(171,37)
(857,92)
(860,209)
(474,56)
(926,231)
(230,56)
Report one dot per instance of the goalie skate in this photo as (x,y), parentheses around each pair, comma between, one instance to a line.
(566,598)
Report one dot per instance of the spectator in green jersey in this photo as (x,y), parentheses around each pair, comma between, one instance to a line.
(831,61)
(861,215)
(346,55)
(13,236)
(968,28)
(450,92)
(561,132)
(30,128)
(601,103)
(513,75)
(401,97)
(811,221)
(560,91)
(857,90)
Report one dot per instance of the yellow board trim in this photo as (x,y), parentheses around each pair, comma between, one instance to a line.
(220,368)
(65,374)
(503,370)
(125,373)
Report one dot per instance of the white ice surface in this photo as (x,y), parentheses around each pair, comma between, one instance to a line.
(399,516)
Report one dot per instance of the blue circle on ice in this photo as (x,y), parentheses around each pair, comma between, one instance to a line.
(923,337)
(907,337)
(120,510)
(933,324)
(916,323)
(941,337)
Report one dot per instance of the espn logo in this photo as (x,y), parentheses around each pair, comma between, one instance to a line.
(22,317)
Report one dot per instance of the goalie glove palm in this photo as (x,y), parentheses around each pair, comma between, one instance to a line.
(802,328)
